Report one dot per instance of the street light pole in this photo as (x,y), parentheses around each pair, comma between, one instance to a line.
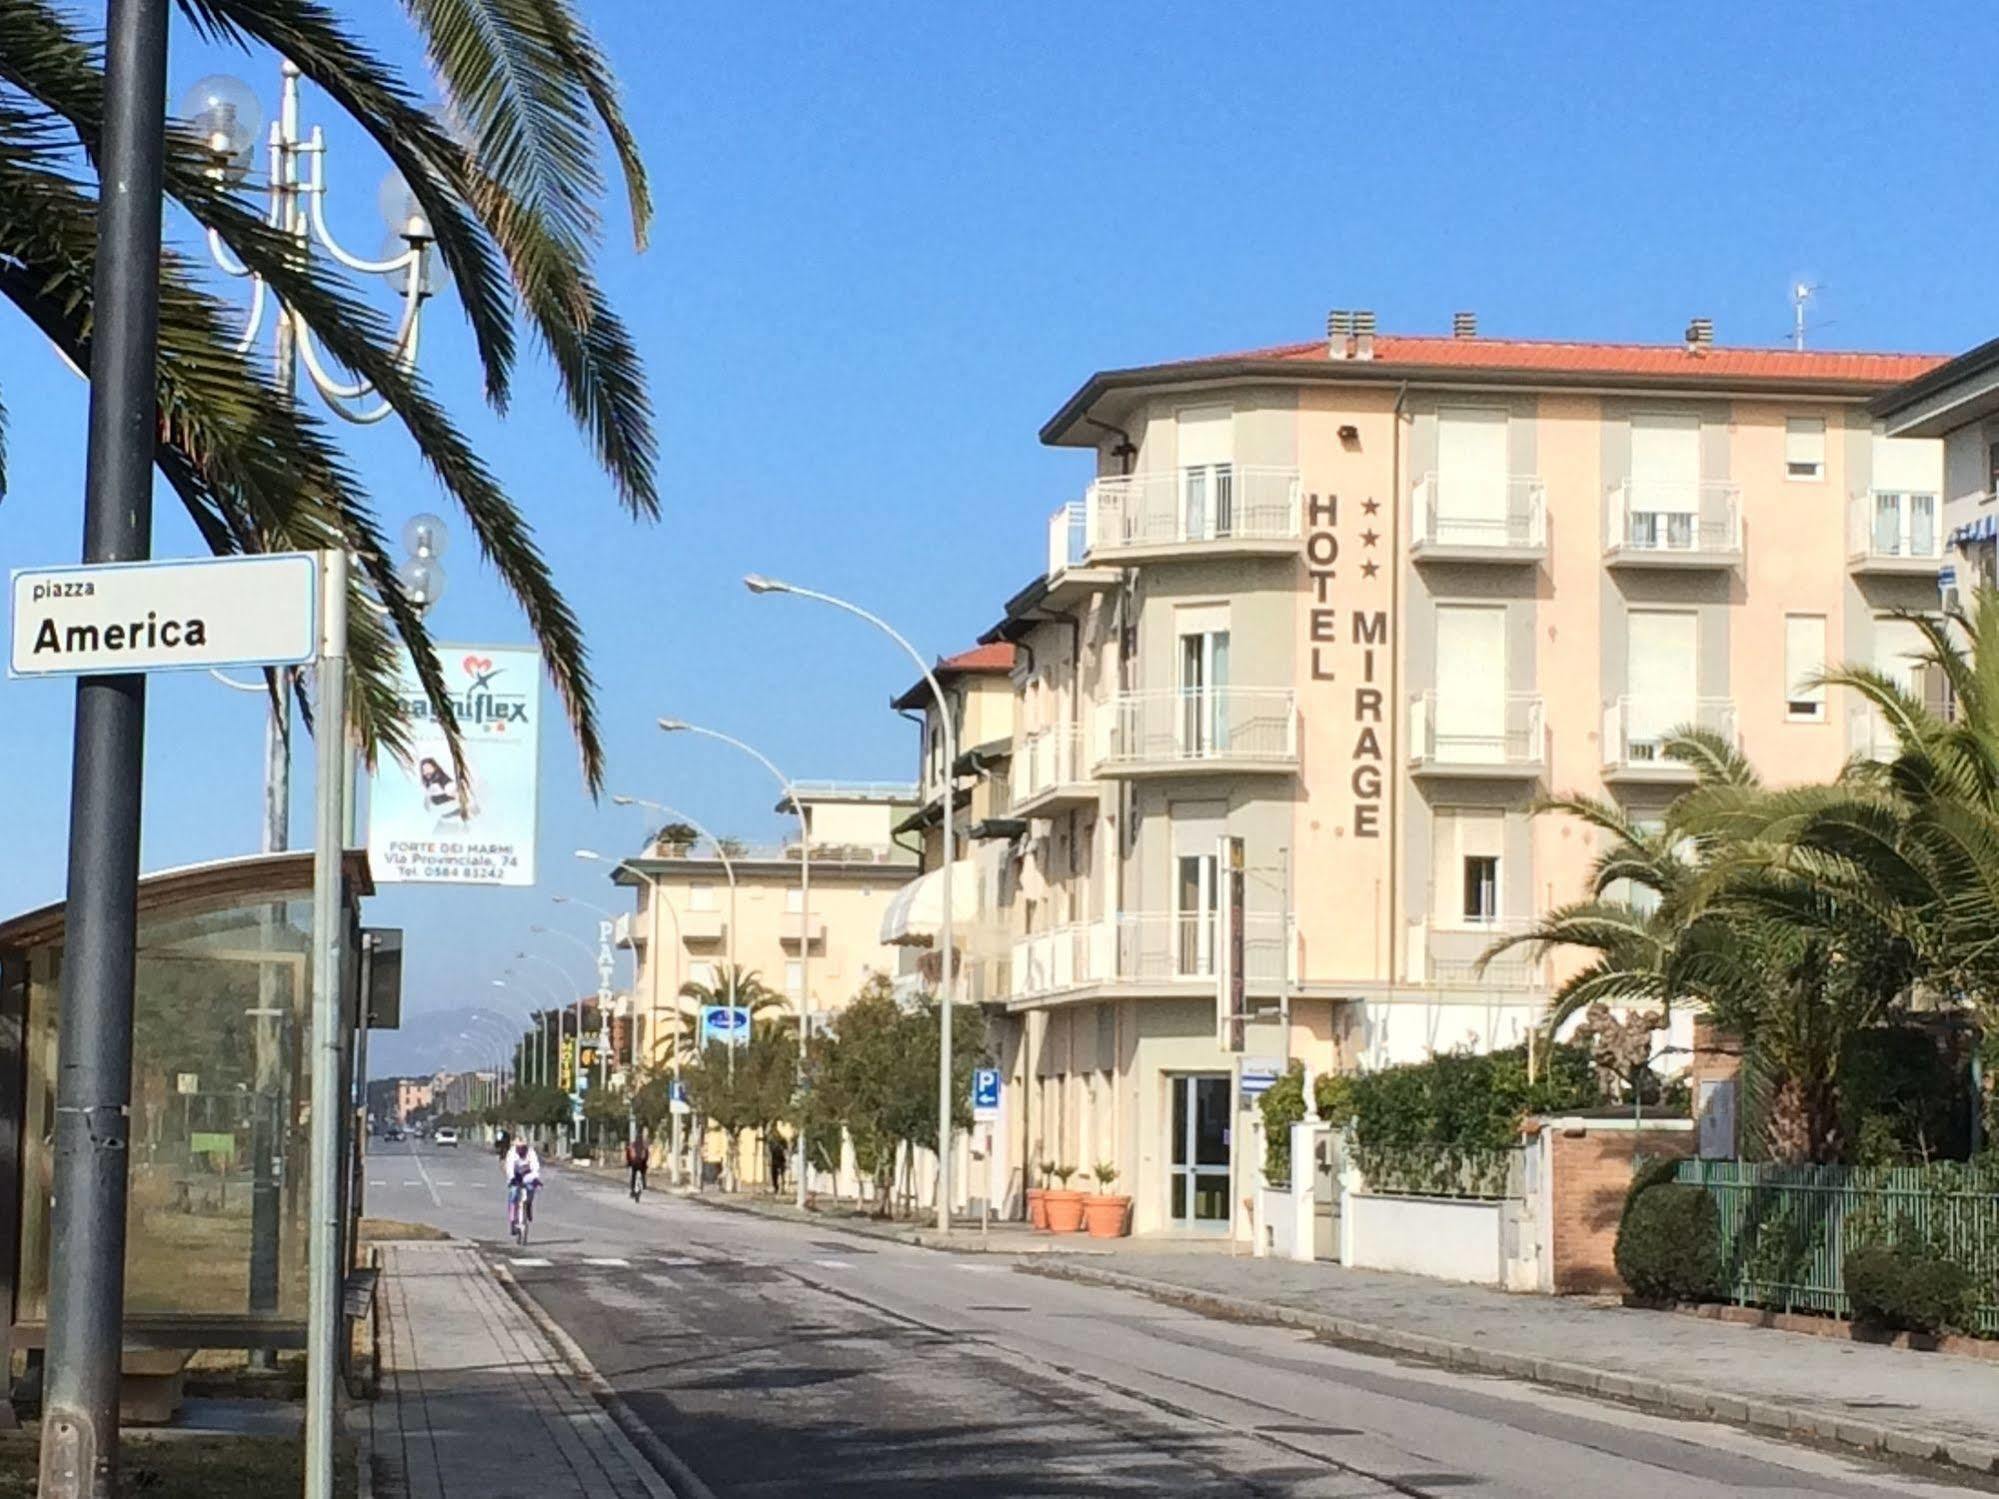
(758,584)
(79,1454)
(790,793)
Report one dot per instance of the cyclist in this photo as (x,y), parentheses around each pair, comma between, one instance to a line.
(523,1170)
(638,1154)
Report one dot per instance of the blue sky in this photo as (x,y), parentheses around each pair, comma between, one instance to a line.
(891,239)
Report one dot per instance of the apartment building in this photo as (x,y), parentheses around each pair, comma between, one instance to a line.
(691,898)
(1957,403)
(1353,605)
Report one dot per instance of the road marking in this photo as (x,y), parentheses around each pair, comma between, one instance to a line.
(978,1269)
(412,1183)
(677,1262)
(428,1185)
(527,1264)
(376,1182)
(608,1264)
(834,1264)
(447,1184)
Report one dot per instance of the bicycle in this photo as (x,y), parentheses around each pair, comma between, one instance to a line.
(520,1210)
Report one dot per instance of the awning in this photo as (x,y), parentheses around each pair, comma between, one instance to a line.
(917,911)
(1985,528)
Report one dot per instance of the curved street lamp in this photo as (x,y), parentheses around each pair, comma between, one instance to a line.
(758,584)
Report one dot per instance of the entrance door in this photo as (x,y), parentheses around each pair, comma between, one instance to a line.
(1198,1182)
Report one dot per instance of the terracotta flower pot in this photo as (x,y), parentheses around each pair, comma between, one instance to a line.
(1064,1208)
(1037,1207)
(1106,1216)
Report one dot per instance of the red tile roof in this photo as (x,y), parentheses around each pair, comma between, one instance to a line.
(980,660)
(1719,362)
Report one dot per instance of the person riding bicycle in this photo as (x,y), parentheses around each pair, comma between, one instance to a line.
(523,1168)
(638,1155)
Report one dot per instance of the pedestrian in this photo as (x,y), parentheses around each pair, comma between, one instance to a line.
(505,1143)
(638,1153)
(777,1153)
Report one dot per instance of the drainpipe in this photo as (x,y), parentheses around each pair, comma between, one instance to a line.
(1125,451)
(1395,684)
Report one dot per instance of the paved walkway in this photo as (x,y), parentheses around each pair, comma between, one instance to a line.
(476,1403)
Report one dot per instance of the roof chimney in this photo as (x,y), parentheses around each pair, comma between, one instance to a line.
(1700,335)
(1363,335)
(1339,334)
(1464,325)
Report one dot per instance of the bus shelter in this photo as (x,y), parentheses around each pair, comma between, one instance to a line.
(221,1104)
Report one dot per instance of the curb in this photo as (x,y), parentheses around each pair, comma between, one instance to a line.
(658,1466)
(1770,1418)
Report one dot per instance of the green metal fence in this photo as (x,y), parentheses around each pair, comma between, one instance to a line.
(1785,1230)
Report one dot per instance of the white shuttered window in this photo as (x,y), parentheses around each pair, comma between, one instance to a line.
(1804,659)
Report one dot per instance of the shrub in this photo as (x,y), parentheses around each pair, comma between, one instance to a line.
(1669,1244)
(1333,1092)
(1282,1105)
(1474,1100)
(1905,1289)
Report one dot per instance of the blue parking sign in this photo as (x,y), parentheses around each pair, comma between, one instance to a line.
(985,1094)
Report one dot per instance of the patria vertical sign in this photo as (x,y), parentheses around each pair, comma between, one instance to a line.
(426,825)
(1346,629)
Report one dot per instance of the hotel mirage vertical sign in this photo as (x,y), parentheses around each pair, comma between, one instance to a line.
(1348,549)
(426,825)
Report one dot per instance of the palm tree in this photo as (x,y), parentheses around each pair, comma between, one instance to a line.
(513,191)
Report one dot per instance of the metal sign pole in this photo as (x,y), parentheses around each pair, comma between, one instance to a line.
(328,936)
(79,1456)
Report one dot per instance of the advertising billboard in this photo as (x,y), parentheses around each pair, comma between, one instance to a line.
(425,826)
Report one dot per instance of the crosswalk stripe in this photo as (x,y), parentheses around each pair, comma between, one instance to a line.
(677,1263)
(377,1182)
(834,1264)
(530,1264)
(608,1264)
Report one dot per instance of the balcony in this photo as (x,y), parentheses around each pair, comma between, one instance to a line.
(1177,731)
(1894,533)
(1665,523)
(1502,740)
(1635,732)
(1049,773)
(1165,947)
(1070,577)
(1069,957)
(702,927)
(1446,952)
(788,931)
(1503,519)
(1214,509)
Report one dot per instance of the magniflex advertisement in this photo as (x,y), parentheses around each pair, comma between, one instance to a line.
(425,826)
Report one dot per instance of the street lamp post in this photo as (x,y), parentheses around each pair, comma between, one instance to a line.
(605,978)
(790,793)
(533,1041)
(565,982)
(758,584)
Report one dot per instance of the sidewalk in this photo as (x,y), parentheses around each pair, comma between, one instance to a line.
(1922,1405)
(476,1403)
(1930,1406)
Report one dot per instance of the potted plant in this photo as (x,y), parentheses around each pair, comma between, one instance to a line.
(1105,1213)
(1063,1206)
(1037,1207)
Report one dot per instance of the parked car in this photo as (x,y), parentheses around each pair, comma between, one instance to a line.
(446,1136)
(394,1132)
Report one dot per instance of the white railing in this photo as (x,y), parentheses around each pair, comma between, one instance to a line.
(1508,732)
(1175,725)
(1209,502)
(1048,758)
(1172,945)
(1450,951)
(1065,958)
(771,853)
(1501,512)
(1887,524)
(1068,537)
(1667,517)
(1635,730)
(899,791)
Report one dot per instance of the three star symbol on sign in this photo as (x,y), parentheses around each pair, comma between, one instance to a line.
(1369,538)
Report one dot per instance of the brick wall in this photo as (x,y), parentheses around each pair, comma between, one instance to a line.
(1590,1168)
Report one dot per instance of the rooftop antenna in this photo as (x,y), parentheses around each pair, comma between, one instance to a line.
(1801,293)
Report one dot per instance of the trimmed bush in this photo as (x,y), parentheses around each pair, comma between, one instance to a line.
(1283,1105)
(1901,1288)
(1669,1244)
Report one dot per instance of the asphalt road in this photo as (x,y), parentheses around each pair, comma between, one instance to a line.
(786,1362)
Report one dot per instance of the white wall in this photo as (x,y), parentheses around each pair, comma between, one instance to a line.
(1449,1240)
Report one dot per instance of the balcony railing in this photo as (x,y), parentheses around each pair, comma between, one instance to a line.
(1466,517)
(1217,502)
(1635,731)
(1246,727)
(1066,958)
(1446,952)
(1675,523)
(1476,737)
(1169,945)
(1068,537)
(1047,762)
(1901,530)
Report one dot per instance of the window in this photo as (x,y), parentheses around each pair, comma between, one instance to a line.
(1804,447)
(1207,472)
(700,897)
(1804,659)
(794,899)
(1481,906)
(794,977)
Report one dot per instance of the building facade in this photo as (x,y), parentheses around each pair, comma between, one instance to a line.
(1353,606)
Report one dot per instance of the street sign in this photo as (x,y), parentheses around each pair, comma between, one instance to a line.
(1258,1074)
(985,1094)
(677,1099)
(165,616)
(725,1023)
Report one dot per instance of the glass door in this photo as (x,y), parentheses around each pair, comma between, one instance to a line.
(1194,904)
(1198,1181)
(1204,679)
